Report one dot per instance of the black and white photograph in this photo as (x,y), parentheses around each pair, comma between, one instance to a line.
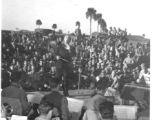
(75,59)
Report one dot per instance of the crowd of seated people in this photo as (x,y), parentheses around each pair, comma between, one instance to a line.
(34,57)
(28,63)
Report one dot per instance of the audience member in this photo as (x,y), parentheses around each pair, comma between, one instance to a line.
(94,102)
(107,110)
(59,101)
(14,91)
(45,111)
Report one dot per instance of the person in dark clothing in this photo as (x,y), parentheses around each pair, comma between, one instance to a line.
(144,110)
(14,91)
(124,78)
(63,56)
(59,101)
(5,79)
(78,32)
(35,113)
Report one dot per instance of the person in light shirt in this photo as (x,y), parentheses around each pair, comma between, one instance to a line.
(128,61)
(144,76)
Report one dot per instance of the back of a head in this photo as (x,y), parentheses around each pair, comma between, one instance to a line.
(77,23)
(45,107)
(106,110)
(54,83)
(16,76)
(102,84)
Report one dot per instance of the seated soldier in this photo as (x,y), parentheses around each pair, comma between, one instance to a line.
(60,101)
(109,68)
(14,91)
(94,102)
(128,61)
(123,79)
(144,76)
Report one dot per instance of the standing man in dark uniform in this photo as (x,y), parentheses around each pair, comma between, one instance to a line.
(63,56)
(78,32)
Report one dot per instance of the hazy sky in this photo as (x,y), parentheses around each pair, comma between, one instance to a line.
(135,15)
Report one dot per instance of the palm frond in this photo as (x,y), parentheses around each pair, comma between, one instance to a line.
(90,12)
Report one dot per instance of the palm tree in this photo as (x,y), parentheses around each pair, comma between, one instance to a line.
(103,24)
(39,23)
(100,22)
(89,14)
(96,17)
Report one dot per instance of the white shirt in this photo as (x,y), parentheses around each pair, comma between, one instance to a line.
(145,77)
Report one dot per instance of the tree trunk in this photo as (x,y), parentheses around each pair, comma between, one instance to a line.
(90,27)
(97,26)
